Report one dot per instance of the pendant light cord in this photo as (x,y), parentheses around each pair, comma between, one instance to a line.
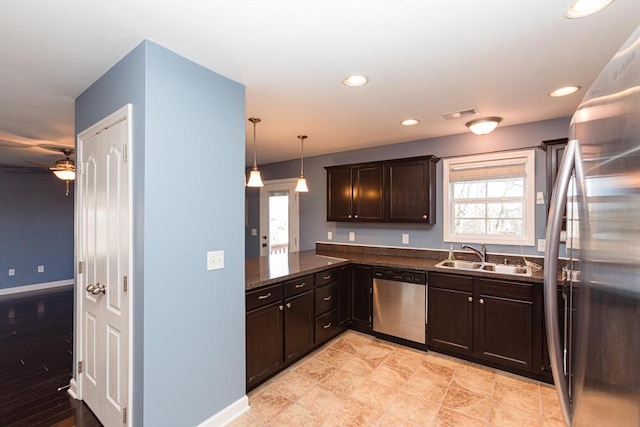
(302,138)
(254,120)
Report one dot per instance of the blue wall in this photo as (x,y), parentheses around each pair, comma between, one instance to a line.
(189,322)
(36,228)
(313,207)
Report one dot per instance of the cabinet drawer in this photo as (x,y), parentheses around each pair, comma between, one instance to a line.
(264,296)
(326,298)
(451,281)
(499,288)
(297,286)
(325,277)
(327,326)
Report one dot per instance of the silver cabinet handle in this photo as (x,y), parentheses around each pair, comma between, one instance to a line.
(264,296)
(356,215)
(481,301)
(288,305)
(349,215)
(327,298)
(327,277)
(470,299)
(300,285)
(424,217)
(281,307)
(327,326)
(554,226)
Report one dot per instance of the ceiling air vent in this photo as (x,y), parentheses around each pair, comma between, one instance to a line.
(459,114)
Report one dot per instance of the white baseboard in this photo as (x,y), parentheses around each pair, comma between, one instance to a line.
(228,414)
(36,287)
(73,388)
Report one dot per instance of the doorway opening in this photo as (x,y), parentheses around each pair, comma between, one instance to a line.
(279,217)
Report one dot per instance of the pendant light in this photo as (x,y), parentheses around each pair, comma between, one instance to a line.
(301,187)
(254,177)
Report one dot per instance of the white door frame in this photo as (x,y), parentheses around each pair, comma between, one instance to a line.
(75,389)
(284,185)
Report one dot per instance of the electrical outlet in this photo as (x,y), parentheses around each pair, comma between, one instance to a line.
(329,235)
(352,236)
(254,231)
(12,272)
(41,269)
(405,239)
(215,260)
(539,198)
(542,245)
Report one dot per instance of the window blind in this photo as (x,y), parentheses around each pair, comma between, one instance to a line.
(516,168)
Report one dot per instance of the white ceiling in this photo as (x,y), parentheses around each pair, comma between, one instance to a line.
(423,58)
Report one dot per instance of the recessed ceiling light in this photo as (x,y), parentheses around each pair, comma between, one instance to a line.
(564,91)
(355,80)
(581,8)
(409,122)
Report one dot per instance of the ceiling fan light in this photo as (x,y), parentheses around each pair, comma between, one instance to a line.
(301,186)
(254,179)
(581,8)
(564,91)
(484,126)
(65,174)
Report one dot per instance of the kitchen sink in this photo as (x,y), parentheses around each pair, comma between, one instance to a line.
(485,267)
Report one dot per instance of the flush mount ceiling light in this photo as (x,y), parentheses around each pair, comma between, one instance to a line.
(301,186)
(254,177)
(581,8)
(483,126)
(564,91)
(409,122)
(355,80)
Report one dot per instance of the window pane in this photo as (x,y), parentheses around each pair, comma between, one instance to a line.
(504,210)
(470,226)
(470,210)
(506,188)
(469,190)
(511,227)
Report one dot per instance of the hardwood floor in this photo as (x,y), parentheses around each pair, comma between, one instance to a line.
(36,358)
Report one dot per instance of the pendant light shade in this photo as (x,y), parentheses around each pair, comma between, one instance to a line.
(301,186)
(484,126)
(255,180)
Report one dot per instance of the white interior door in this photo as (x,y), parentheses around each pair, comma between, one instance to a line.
(279,217)
(104,252)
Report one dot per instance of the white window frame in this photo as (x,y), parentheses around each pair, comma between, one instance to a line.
(528,216)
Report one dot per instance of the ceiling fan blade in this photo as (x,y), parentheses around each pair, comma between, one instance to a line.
(23,169)
(42,165)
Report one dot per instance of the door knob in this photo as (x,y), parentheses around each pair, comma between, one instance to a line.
(96,289)
(90,288)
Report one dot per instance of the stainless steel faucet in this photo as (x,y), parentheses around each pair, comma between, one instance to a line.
(482,254)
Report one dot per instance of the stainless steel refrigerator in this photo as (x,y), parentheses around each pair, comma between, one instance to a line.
(596,367)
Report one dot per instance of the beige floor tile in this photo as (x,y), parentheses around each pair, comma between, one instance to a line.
(374,394)
(245,420)
(442,359)
(322,401)
(550,422)
(468,403)
(432,370)
(358,366)
(374,354)
(516,380)
(315,369)
(402,361)
(345,345)
(268,405)
(296,416)
(384,344)
(390,377)
(423,387)
(342,381)
(354,413)
(413,409)
(448,418)
(292,385)
(333,356)
(473,380)
(517,397)
(506,416)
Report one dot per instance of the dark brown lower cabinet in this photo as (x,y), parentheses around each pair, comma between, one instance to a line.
(344,295)
(299,325)
(264,341)
(361,298)
(450,314)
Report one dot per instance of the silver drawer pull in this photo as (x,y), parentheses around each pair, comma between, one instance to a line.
(300,285)
(470,299)
(327,298)
(264,296)
(288,305)
(326,277)
(327,326)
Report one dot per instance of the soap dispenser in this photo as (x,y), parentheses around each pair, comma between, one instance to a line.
(451,257)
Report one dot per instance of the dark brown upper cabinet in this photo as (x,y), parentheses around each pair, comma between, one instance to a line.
(401,190)
(411,190)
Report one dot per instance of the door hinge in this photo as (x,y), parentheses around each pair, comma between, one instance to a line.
(124,415)
(80,366)
(125,283)
(370,319)
(124,152)
(80,267)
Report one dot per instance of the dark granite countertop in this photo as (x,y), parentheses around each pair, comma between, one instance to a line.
(267,270)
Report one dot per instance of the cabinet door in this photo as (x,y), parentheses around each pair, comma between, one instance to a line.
(504,323)
(344,295)
(450,319)
(410,194)
(361,298)
(299,325)
(367,193)
(264,345)
(339,193)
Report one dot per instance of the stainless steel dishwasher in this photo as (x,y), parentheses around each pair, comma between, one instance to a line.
(399,304)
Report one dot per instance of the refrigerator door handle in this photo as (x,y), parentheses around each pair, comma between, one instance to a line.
(554,226)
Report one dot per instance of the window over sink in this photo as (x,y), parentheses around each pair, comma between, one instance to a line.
(490,198)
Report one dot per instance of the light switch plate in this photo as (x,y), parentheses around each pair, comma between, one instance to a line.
(254,231)
(329,235)
(352,236)
(41,269)
(539,198)
(542,245)
(215,260)
(12,272)
(405,239)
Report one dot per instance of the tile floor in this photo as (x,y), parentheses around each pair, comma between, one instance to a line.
(358,380)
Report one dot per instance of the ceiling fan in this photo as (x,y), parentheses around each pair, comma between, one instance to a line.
(64,169)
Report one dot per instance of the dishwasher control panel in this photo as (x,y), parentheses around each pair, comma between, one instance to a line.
(406,276)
